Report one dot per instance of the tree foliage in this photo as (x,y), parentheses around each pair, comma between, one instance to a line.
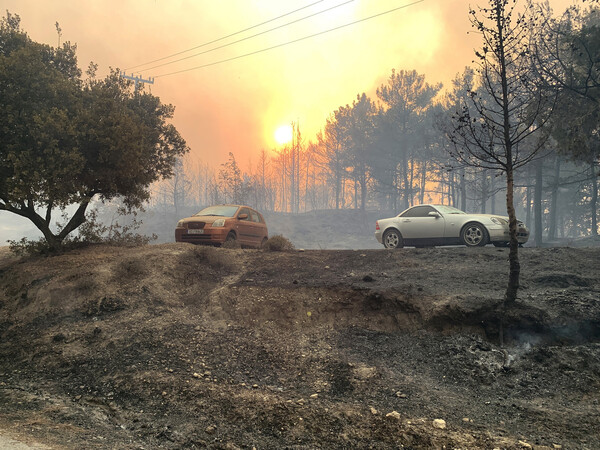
(65,141)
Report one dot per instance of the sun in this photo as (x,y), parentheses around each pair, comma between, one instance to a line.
(284,134)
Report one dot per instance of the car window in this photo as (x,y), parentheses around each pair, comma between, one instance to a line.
(245,211)
(417,211)
(448,210)
(254,216)
(224,211)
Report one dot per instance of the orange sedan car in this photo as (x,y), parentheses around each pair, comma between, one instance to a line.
(220,223)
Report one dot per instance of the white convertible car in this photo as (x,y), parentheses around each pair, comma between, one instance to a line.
(429,225)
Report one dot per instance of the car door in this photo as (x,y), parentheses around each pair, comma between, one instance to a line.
(244,227)
(416,223)
(258,228)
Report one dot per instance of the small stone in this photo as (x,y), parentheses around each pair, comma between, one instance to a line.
(373,411)
(255,386)
(196,375)
(524,444)
(557,446)
(210,429)
(393,415)
(439,423)
(301,401)
(314,395)
(467,420)
(164,393)
(400,395)
(78,397)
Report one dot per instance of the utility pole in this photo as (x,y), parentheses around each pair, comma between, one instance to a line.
(137,80)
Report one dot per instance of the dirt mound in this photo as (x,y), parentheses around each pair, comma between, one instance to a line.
(176,346)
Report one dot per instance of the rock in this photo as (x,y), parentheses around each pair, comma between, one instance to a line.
(314,395)
(439,423)
(557,446)
(196,375)
(373,411)
(394,415)
(524,444)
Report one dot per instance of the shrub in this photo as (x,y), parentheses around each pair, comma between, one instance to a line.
(90,232)
(278,243)
(214,257)
(231,244)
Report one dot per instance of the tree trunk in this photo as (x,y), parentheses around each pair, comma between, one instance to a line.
(594,200)
(513,256)
(463,189)
(537,202)
(484,190)
(554,201)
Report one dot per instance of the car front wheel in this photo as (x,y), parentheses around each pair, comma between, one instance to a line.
(474,235)
(392,239)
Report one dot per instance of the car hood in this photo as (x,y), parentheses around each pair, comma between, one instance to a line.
(206,219)
(494,215)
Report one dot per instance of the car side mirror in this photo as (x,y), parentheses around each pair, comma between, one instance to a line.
(434,214)
(242,216)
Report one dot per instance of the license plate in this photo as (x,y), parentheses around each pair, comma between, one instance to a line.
(195,231)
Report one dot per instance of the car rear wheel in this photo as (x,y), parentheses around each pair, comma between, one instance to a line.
(392,239)
(474,235)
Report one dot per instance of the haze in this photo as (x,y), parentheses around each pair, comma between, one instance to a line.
(237,106)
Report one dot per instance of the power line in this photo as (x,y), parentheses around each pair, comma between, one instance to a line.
(290,42)
(225,37)
(250,37)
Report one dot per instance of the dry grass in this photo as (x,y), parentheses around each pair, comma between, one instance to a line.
(278,243)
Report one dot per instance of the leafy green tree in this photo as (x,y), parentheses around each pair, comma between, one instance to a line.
(66,141)
(568,59)
(406,98)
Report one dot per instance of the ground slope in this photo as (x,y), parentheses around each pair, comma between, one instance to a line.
(176,346)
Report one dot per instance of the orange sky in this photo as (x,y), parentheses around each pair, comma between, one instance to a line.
(237,106)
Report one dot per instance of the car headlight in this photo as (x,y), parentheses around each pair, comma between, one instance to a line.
(180,224)
(498,221)
(219,223)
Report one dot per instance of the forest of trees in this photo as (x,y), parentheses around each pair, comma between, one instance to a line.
(396,150)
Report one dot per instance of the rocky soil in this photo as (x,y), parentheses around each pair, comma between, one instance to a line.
(175,346)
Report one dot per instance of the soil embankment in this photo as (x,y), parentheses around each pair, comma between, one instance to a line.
(175,346)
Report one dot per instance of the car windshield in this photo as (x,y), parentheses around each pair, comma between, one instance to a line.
(448,210)
(223,211)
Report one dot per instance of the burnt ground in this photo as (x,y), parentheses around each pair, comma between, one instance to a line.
(175,346)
